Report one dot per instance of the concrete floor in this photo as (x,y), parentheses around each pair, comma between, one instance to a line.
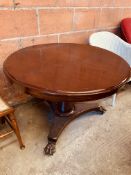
(90,145)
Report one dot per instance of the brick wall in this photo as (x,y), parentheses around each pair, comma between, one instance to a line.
(29,22)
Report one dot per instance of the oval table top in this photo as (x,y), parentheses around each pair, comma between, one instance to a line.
(67,70)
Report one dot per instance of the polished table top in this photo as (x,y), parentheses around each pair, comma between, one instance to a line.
(67,69)
(63,74)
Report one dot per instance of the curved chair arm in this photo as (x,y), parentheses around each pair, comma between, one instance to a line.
(113,43)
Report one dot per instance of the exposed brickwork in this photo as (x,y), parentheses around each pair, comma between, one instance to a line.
(65,3)
(55,21)
(6,48)
(86,19)
(17,23)
(109,17)
(78,37)
(126,13)
(87,3)
(31,3)
(106,3)
(39,40)
(31,22)
(122,3)
(6,3)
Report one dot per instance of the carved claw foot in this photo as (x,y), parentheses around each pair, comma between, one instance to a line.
(101,109)
(22,147)
(50,148)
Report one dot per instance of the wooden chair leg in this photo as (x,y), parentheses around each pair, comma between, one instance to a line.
(2,120)
(16,129)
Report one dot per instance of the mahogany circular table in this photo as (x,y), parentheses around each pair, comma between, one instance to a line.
(63,74)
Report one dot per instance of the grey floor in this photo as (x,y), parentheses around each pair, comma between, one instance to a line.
(90,145)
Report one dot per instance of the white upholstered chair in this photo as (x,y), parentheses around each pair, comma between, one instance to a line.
(113,43)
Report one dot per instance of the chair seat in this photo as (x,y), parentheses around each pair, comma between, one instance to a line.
(3,106)
(126,29)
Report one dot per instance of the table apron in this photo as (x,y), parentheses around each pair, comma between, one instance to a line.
(69,97)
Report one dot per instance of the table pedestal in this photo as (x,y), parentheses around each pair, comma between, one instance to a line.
(64,113)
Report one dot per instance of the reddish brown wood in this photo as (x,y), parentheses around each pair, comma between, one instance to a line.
(13,123)
(63,74)
(62,119)
(9,117)
(67,71)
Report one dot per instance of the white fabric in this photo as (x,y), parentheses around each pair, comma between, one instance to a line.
(3,105)
(113,43)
